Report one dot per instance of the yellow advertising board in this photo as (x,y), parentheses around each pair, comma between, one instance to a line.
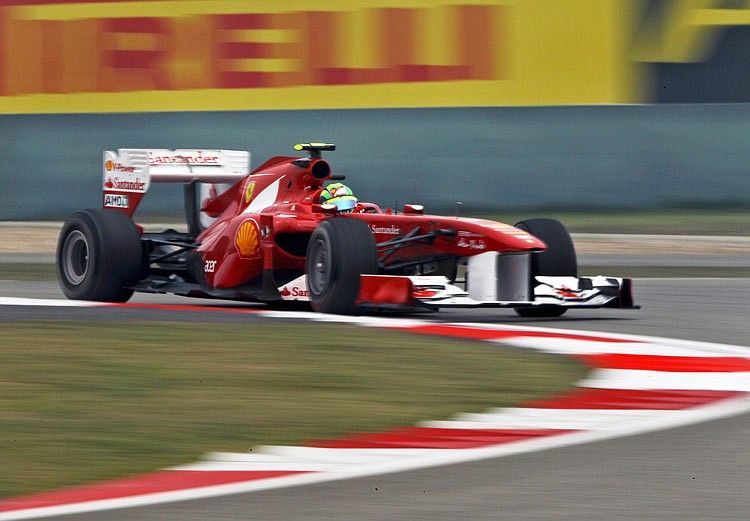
(119,56)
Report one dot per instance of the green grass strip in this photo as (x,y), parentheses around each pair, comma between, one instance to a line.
(85,401)
(675,221)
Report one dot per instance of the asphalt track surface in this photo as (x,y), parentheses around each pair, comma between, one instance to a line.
(696,472)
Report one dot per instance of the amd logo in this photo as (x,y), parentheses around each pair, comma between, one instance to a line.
(116,201)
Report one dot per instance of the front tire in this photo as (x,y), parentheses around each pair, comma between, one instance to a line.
(98,256)
(339,251)
(558,260)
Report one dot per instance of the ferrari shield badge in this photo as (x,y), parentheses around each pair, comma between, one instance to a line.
(249,189)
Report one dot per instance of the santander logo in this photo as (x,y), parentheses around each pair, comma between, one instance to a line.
(135,185)
(385,230)
(294,292)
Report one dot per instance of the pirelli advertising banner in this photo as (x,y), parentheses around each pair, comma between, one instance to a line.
(122,56)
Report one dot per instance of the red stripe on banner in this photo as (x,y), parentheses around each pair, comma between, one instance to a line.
(162,481)
(589,398)
(351,76)
(401,73)
(136,24)
(436,438)
(246,80)
(667,363)
(130,59)
(493,334)
(418,72)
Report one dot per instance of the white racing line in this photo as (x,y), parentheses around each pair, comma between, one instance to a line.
(637,384)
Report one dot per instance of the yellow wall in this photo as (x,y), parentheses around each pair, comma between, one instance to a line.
(249,55)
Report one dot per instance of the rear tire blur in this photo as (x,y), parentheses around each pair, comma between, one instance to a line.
(98,256)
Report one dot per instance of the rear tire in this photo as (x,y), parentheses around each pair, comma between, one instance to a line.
(558,260)
(339,251)
(99,256)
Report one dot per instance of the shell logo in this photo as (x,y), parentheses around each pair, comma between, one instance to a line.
(109,166)
(247,239)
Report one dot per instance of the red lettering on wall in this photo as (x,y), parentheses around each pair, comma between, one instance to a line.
(253,50)
(3,51)
(134,54)
(479,40)
(397,46)
(235,49)
(52,56)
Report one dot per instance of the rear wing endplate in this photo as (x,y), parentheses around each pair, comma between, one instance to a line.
(128,172)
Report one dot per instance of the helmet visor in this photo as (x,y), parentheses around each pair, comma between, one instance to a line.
(345,203)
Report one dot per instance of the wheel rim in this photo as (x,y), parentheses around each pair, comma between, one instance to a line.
(75,257)
(319,275)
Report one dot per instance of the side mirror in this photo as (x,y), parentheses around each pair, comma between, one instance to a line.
(413,209)
(327,209)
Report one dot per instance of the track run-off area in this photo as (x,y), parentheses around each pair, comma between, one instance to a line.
(637,384)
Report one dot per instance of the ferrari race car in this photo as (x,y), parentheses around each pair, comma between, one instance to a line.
(265,236)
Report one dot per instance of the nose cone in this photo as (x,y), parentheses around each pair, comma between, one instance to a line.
(505,237)
(521,240)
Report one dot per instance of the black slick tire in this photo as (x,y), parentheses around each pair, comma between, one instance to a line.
(339,251)
(558,260)
(98,256)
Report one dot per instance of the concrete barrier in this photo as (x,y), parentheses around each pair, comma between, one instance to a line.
(624,156)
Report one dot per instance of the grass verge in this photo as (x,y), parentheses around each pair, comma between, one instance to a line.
(93,401)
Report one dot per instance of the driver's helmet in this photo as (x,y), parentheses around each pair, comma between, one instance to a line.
(339,195)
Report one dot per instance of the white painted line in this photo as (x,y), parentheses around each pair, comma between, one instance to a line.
(564,346)
(658,343)
(17,301)
(637,379)
(575,419)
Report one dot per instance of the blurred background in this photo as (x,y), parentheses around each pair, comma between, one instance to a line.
(502,105)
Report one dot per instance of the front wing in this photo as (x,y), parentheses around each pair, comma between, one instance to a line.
(438,292)
(435,292)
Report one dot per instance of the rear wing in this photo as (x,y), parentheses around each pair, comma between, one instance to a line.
(128,173)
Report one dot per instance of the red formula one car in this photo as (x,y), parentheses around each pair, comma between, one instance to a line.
(265,236)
